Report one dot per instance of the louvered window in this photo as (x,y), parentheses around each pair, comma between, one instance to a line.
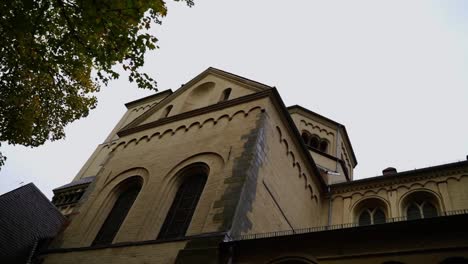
(180,214)
(117,215)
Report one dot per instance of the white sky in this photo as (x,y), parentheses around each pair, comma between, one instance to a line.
(394,73)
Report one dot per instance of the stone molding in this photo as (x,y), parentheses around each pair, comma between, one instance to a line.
(403,178)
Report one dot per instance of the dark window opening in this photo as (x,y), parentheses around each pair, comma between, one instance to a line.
(323,146)
(118,213)
(421,209)
(314,142)
(180,214)
(413,212)
(365,218)
(429,210)
(372,216)
(167,111)
(225,95)
(379,216)
(306,138)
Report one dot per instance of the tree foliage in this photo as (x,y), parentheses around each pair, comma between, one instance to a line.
(56,54)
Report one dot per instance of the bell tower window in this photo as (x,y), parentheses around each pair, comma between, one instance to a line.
(323,145)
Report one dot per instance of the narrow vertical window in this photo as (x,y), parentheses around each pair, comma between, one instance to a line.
(225,95)
(167,110)
(118,213)
(180,214)
(323,146)
(314,142)
(306,138)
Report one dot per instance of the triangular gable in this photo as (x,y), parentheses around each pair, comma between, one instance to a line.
(212,82)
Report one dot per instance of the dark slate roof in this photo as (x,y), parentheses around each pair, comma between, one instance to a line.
(26,216)
(81,181)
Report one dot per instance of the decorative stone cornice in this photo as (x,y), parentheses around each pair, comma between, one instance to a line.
(450,169)
(317,127)
(196,112)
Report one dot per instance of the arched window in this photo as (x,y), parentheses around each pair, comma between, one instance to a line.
(323,145)
(314,142)
(371,216)
(129,190)
(225,95)
(365,218)
(166,112)
(305,137)
(371,211)
(378,217)
(420,205)
(180,214)
(421,209)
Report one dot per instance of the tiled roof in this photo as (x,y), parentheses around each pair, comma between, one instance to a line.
(26,216)
(76,183)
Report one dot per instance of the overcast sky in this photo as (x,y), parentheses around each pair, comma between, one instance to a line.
(394,73)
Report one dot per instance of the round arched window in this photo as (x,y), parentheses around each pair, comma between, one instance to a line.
(314,142)
(323,146)
(419,205)
(421,209)
(306,138)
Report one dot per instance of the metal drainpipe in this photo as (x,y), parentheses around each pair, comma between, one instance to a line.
(329,207)
(336,169)
(336,146)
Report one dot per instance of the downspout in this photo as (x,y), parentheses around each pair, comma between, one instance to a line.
(338,134)
(337,148)
(329,206)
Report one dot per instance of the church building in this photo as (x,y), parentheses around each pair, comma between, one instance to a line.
(221,171)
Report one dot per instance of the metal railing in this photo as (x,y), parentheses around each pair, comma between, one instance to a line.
(335,227)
